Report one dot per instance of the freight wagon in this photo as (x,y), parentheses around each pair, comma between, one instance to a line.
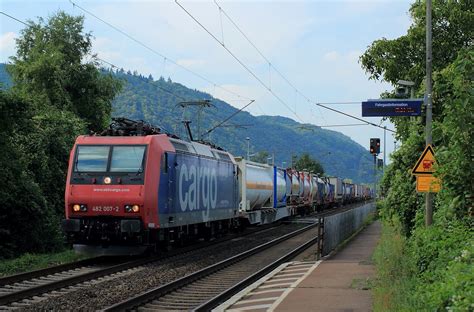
(133,188)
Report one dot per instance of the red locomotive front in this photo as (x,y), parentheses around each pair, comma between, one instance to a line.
(111,191)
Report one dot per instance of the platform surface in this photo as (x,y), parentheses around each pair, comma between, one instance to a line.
(341,283)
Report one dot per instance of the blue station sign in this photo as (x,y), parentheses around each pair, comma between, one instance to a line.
(391,107)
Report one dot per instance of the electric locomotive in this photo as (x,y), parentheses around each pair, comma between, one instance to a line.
(133,187)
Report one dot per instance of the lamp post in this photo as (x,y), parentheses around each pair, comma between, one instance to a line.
(248,148)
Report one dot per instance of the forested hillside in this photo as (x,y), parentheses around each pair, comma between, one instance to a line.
(147,99)
(143,98)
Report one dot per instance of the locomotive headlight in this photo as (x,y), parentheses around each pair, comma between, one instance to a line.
(132,208)
(79,208)
(107,180)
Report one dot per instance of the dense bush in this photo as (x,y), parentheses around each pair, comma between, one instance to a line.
(55,97)
(419,267)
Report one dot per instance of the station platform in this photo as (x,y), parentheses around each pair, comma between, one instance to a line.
(338,283)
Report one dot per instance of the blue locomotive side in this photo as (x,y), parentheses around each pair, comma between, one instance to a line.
(196,189)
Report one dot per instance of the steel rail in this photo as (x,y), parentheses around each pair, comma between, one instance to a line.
(179,283)
(223,296)
(41,289)
(11,279)
(73,280)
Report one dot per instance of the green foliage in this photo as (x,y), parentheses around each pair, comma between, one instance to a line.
(55,97)
(404,57)
(432,269)
(305,162)
(398,184)
(454,131)
(50,65)
(149,100)
(30,262)
(260,157)
(394,272)
(27,222)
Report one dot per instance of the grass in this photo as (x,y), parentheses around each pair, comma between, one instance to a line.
(393,283)
(31,262)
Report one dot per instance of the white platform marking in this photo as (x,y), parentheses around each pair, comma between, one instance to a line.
(293,286)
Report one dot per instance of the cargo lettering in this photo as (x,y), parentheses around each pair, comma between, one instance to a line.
(197,188)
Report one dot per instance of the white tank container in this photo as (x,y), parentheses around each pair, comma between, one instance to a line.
(280,187)
(256,185)
(306,185)
(295,182)
(302,183)
(288,183)
(314,187)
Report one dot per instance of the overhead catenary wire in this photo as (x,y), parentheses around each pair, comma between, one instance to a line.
(288,81)
(226,119)
(239,61)
(340,103)
(14,18)
(354,117)
(165,58)
(159,87)
(95,56)
(345,125)
(263,56)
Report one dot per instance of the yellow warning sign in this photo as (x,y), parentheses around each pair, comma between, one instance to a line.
(425,163)
(428,184)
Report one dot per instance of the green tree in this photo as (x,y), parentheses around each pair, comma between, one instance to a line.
(69,95)
(56,95)
(404,57)
(439,257)
(51,66)
(260,157)
(305,162)
(27,222)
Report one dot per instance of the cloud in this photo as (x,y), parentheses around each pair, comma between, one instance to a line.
(7,45)
(331,56)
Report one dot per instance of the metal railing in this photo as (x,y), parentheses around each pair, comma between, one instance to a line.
(339,227)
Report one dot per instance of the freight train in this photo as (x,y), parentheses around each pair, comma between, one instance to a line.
(133,187)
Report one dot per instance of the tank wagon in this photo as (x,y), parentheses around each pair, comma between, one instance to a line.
(133,187)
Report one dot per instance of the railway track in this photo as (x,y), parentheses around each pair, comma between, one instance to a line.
(208,287)
(23,289)
(30,288)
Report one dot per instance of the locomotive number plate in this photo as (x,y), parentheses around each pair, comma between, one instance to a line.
(105,209)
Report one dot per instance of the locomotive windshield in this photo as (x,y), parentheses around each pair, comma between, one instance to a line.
(127,158)
(93,158)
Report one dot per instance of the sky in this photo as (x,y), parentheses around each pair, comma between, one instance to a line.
(315,45)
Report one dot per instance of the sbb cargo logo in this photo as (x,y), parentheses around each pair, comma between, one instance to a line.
(197,188)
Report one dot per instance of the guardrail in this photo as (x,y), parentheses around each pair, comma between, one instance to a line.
(339,227)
